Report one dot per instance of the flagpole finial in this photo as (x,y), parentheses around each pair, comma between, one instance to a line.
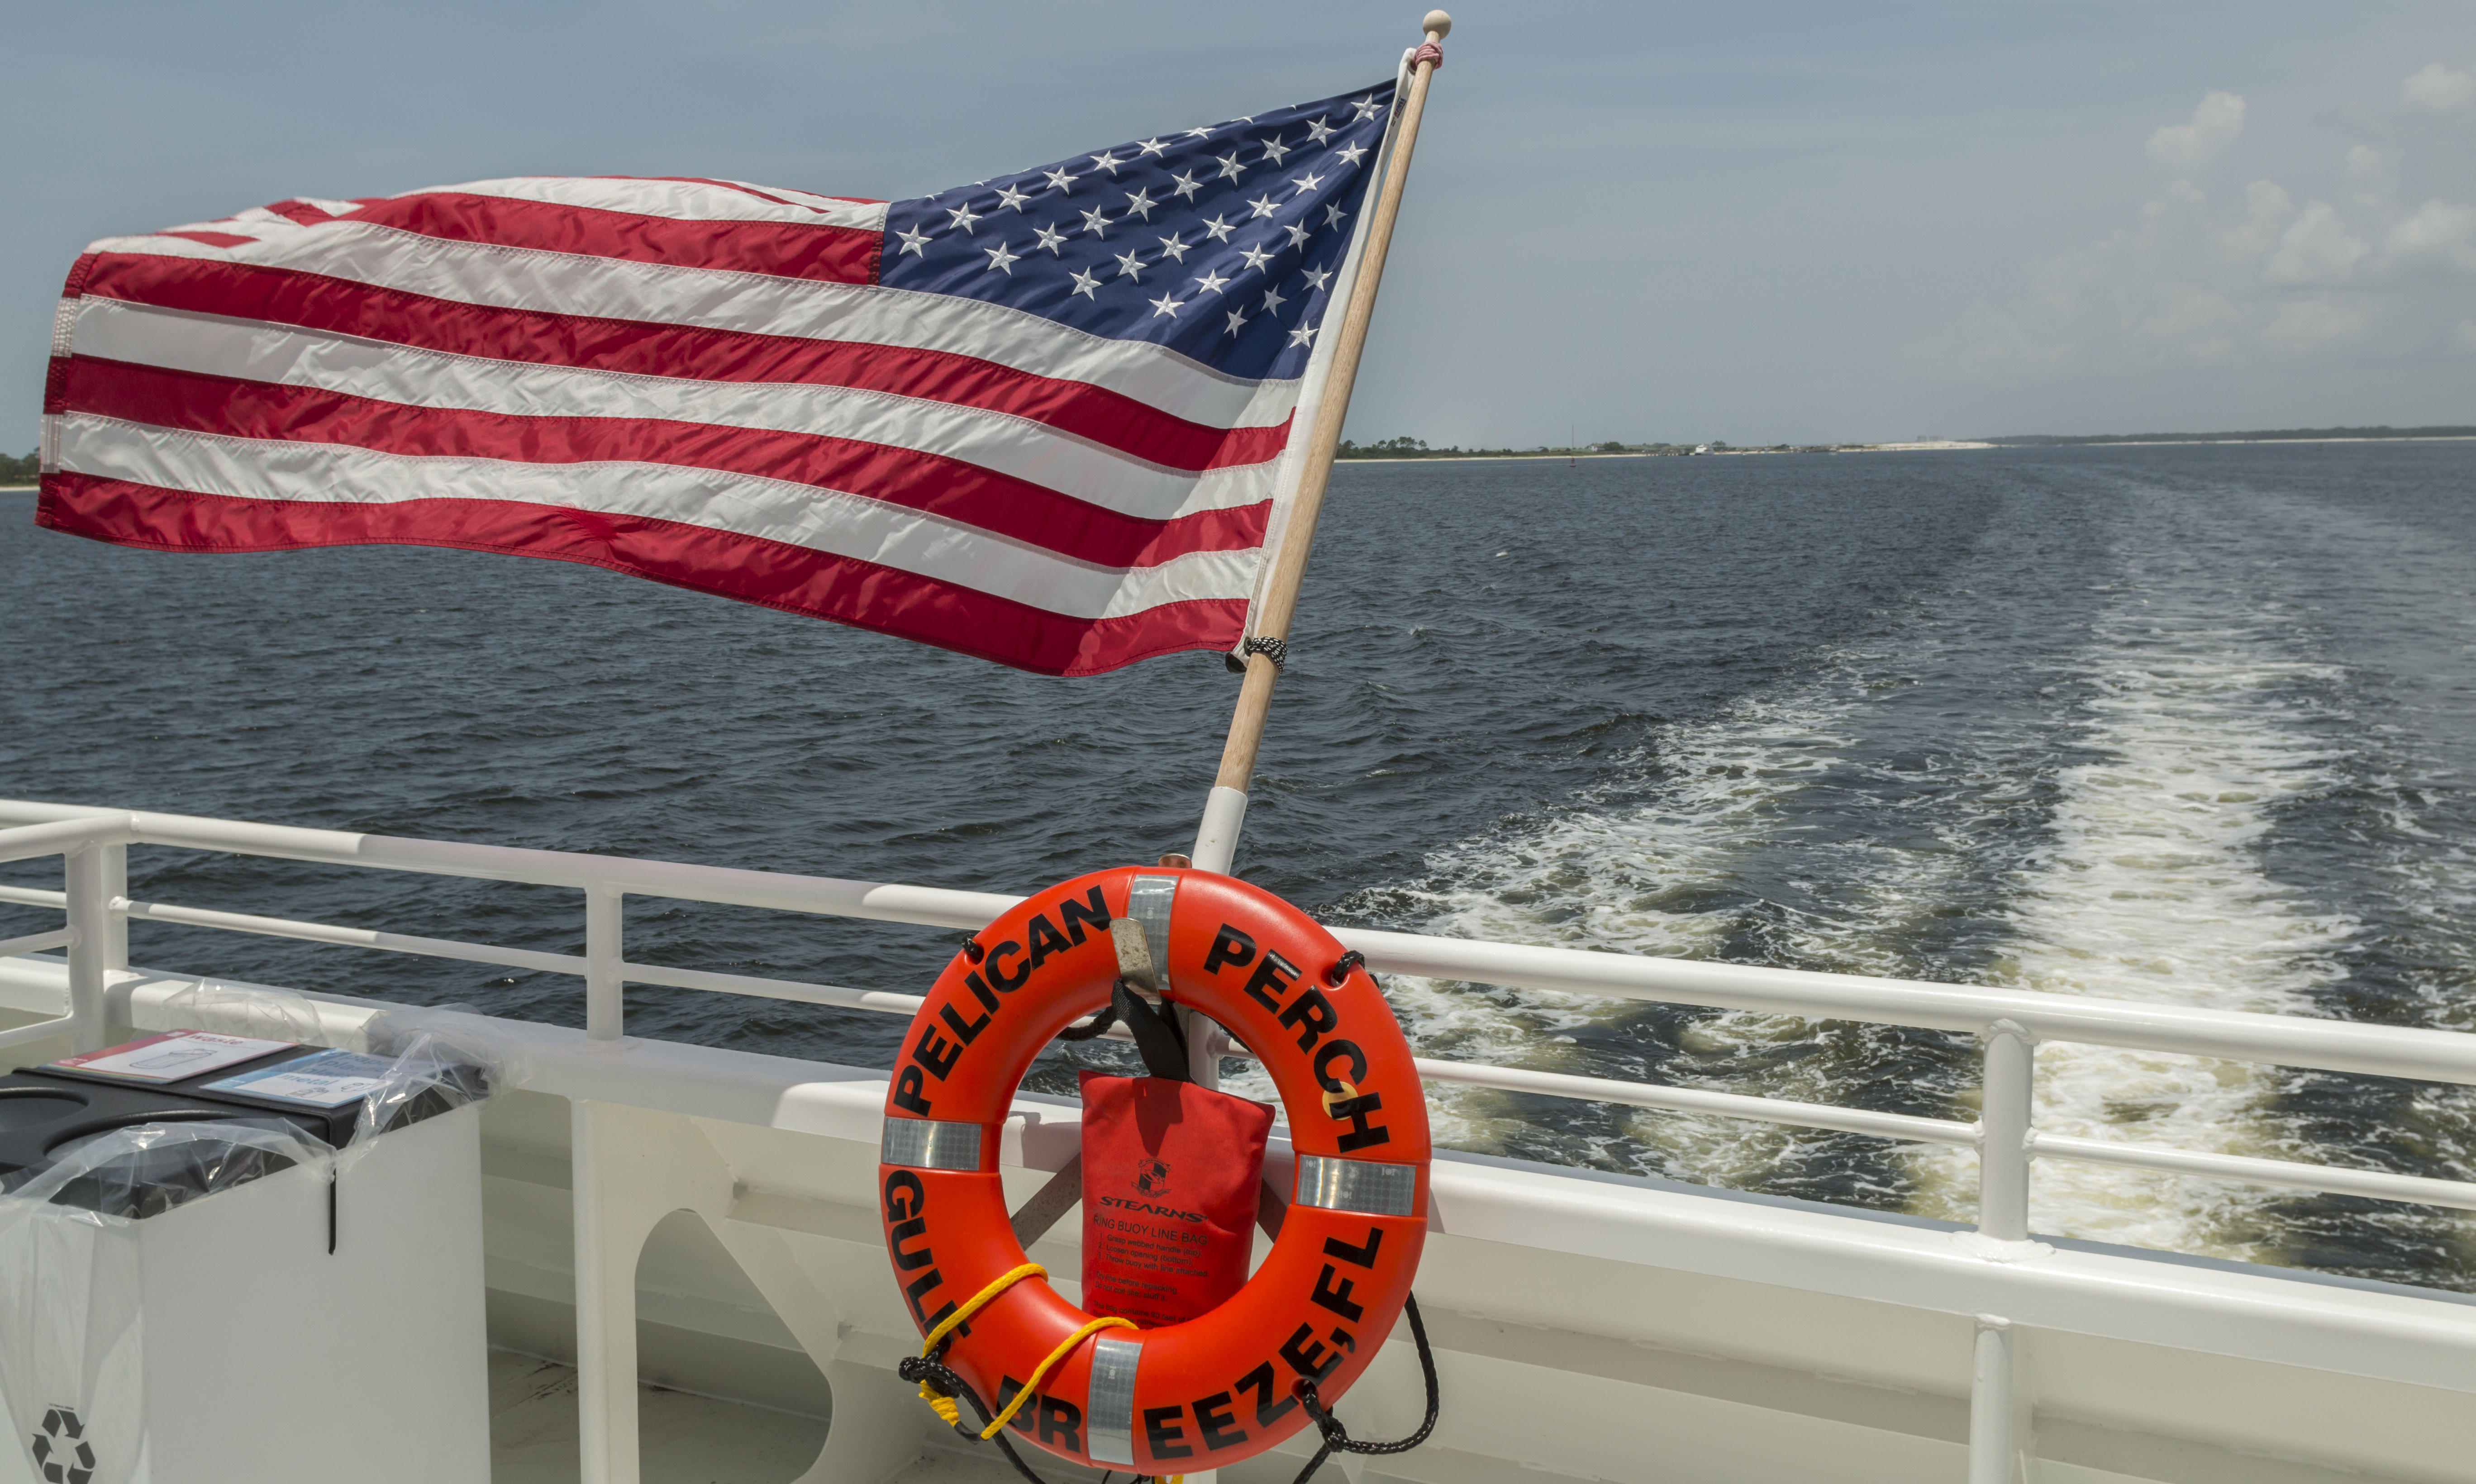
(1438,25)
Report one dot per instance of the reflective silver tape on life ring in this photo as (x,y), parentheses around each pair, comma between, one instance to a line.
(931,1144)
(1149,901)
(1109,1415)
(1360,1185)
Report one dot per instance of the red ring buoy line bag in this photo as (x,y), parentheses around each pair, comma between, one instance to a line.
(1219,1388)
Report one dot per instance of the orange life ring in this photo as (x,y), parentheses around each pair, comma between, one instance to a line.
(1222,1387)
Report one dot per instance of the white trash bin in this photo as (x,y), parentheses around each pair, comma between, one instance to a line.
(170,1312)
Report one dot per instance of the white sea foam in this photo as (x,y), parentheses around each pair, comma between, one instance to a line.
(2153,889)
(1654,878)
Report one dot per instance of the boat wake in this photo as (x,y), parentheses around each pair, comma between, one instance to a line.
(2153,888)
(2105,829)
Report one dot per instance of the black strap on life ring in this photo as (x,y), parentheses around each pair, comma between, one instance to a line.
(1156,1032)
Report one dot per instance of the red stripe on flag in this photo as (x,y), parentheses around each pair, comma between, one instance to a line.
(302,211)
(313,302)
(800,250)
(946,487)
(210,238)
(753,570)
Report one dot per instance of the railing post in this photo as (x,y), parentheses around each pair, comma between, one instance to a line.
(1990,1404)
(2003,1131)
(604,1010)
(86,876)
(115,919)
(606,1316)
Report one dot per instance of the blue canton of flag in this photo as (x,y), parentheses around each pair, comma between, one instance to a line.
(1224,244)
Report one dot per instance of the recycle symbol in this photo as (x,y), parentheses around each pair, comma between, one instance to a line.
(60,1450)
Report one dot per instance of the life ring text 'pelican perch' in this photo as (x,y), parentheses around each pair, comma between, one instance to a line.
(1220,1388)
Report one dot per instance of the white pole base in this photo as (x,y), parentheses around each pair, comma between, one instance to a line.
(1216,840)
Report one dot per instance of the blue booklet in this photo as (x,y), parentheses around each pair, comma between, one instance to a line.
(328,1079)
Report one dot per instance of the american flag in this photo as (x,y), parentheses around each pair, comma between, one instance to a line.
(1045,418)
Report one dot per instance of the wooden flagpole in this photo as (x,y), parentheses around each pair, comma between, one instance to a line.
(1224,811)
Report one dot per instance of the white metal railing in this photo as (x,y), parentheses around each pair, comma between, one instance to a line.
(2010,1023)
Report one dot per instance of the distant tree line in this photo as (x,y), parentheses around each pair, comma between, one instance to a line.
(21,471)
(1417,448)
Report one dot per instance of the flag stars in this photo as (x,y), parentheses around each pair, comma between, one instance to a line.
(1247,263)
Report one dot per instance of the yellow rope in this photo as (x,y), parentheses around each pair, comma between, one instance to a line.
(1041,1372)
(981,1301)
(944,1404)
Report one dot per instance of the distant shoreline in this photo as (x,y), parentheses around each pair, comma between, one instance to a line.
(1938,447)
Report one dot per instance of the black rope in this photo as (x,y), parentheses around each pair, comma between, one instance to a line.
(1337,1437)
(1341,967)
(916,1368)
(1094,1027)
(1261,644)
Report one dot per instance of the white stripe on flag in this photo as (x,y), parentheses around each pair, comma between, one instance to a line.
(249,350)
(681,200)
(832,521)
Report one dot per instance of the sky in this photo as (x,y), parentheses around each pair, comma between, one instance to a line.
(1751,222)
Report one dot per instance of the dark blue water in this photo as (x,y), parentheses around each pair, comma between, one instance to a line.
(2176,723)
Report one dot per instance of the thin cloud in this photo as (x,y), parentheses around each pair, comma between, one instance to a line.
(2272,274)
(2216,123)
(2437,89)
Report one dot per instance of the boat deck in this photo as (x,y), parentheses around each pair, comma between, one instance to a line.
(689,1439)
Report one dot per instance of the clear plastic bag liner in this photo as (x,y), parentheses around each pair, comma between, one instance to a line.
(71,1328)
(131,1174)
(441,1060)
(266,1014)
